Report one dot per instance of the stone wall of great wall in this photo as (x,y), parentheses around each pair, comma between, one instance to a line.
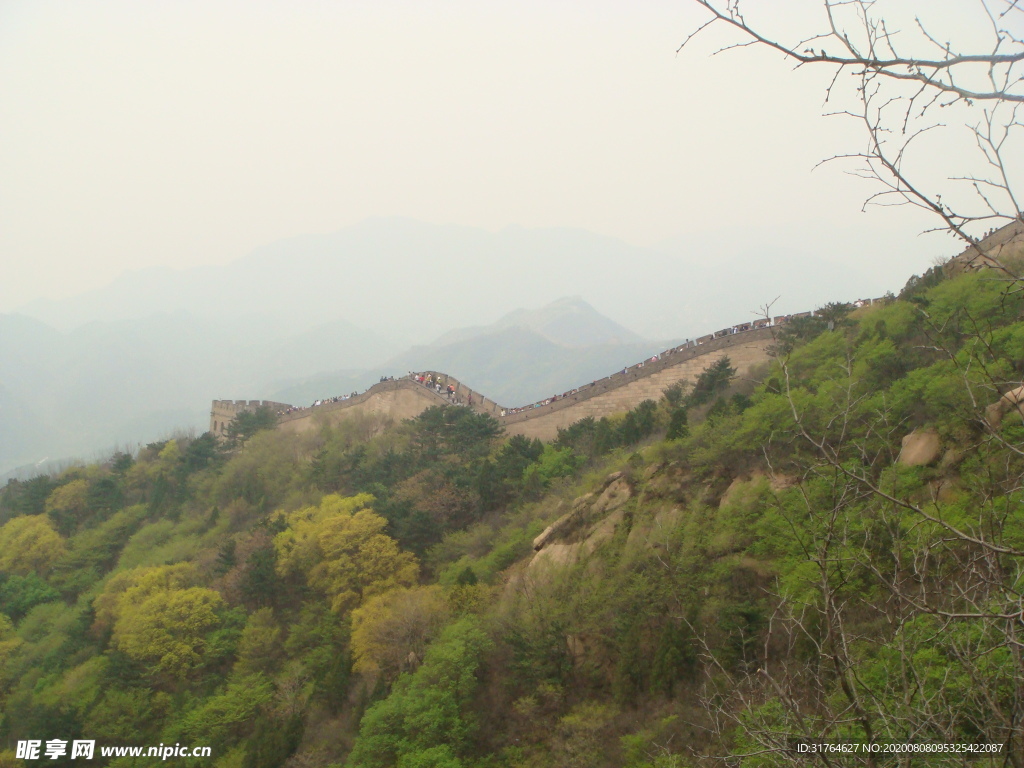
(626,389)
(745,344)
(223,412)
(1005,242)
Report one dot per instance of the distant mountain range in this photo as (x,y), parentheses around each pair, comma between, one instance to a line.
(525,356)
(568,322)
(410,282)
(326,314)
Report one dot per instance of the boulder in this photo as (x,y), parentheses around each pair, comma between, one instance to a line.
(919,448)
(1012,400)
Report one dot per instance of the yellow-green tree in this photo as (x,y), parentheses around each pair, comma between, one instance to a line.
(341,549)
(133,587)
(68,503)
(159,616)
(259,647)
(9,643)
(150,468)
(29,544)
(167,630)
(392,630)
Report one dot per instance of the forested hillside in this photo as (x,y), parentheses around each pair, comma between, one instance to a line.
(739,566)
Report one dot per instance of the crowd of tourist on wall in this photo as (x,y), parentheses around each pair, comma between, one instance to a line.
(325,401)
(451,392)
(318,403)
(445,388)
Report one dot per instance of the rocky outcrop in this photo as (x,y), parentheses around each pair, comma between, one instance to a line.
(655,530)
(1012,400)
(569,521)
(920,447)
(592,520)
(616,493)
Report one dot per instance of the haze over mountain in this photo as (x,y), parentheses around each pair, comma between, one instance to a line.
(412,281)
(121,381)
(320,315)
(525,356)
(569,322)
(105,383)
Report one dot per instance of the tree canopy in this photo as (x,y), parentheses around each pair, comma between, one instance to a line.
(340,548)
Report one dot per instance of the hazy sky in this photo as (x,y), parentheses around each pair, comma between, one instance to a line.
(185,133)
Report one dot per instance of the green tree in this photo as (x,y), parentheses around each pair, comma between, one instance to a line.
(674,394)
(67,505)
(129,588)
(273,741)
(675,658)
(227,557)
(126,714)
(25,497)
(712,380)
(20,594)
(450,431)
(260,582)
(93,551)
(552,464)
(226,717)
(259,648)
(121,462)
(678,423)
(426,719)
(104,496)
(204,451)
(248,423)
(638,423)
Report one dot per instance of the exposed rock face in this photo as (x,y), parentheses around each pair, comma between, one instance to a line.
(734,487)
(555,554)
(595,518)
(591,521)
(920,447)
(566,522)
(1012,400)
(653,531)
(604,530)
(615,494)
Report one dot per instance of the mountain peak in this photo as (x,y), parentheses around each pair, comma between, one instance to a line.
(569,321)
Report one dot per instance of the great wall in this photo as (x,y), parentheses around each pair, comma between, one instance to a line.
(746,346)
